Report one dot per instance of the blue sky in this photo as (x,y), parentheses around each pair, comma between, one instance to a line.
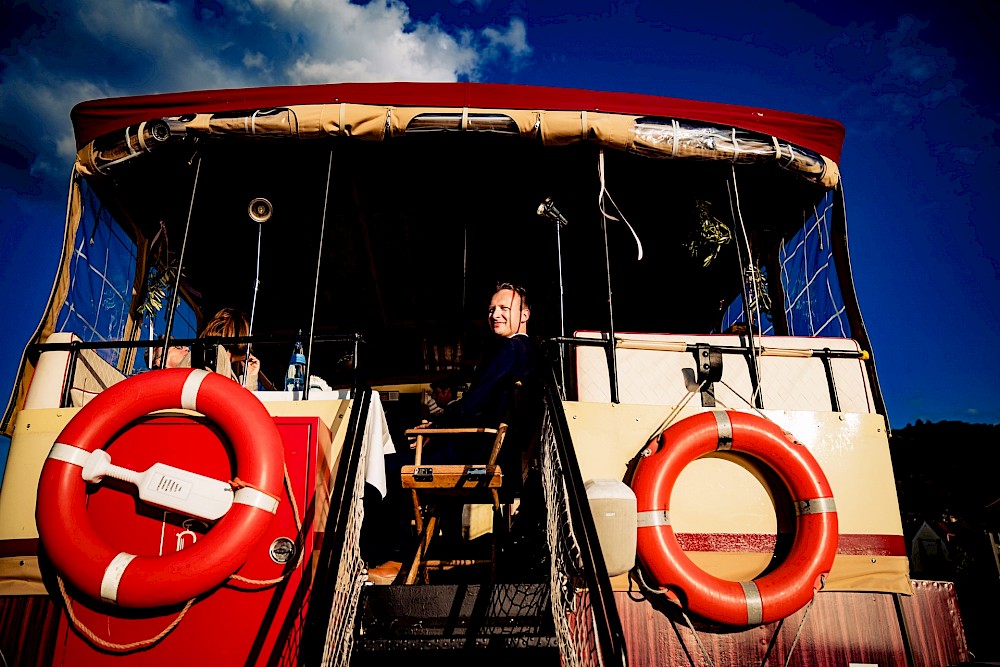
(912,82)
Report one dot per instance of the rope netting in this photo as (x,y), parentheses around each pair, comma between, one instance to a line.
(572,611)
(351,577)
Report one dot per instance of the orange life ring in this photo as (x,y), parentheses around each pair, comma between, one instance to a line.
(99,570)
(777,594)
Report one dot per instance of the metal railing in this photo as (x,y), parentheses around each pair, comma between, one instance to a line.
(202,345)
(583,605)
(328,638)
(825,355)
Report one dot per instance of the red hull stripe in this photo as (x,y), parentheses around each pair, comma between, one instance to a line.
(11,548)
(847,545)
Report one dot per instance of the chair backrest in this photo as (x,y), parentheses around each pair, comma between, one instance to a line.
(524,419)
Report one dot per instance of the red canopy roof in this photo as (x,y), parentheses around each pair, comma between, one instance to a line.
(98,117)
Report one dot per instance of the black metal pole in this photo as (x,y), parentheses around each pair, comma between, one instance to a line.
(611,350)
(319,262)
(562,314)
(180,267)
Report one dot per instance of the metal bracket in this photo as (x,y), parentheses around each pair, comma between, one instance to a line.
(708,370)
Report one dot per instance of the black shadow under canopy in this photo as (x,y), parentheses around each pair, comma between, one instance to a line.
(419,228)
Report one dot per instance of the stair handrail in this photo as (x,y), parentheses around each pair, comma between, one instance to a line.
(611,638)
(334,573)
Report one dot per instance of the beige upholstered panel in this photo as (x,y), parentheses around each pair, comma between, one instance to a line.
(92,376)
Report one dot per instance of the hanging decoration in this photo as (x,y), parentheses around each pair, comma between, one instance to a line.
(158,285)
(758,298)
(710,234)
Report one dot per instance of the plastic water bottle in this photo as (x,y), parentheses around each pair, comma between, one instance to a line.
(295,379)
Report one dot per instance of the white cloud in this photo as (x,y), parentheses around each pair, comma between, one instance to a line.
(514,39)
(107,48)
(128,22)
(256,61)
(45,106)
(339,41)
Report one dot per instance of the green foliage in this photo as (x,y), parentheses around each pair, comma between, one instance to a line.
(757,289)
(158,285)
(709,235)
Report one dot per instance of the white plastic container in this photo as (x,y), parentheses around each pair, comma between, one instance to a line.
(613,505)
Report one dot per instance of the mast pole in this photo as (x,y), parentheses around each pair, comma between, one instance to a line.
(180,265)
(612,352)
(319,263)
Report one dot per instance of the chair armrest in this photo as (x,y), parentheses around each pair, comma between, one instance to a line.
(422,433)
(448,431)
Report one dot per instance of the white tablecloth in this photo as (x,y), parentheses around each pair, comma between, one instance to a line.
(377,435)
(379,444)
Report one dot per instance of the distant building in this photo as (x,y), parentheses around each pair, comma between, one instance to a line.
(929,548)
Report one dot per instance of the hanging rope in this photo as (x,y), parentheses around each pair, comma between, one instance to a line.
(604,211)
(319,263)
(263,583)
(637,577)
(802,624)
(180,260)
(89,634)
(752,311)
(298,529)
(253,306)
(673,413)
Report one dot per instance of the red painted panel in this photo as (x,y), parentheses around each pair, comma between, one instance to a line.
(224,626)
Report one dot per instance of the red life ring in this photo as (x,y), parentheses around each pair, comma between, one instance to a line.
(778,593)
(103,572)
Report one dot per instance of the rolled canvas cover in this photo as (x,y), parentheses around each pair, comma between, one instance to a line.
(99,117)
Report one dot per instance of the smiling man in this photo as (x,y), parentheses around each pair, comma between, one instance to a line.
(488,399)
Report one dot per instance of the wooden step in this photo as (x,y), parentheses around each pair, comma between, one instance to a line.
(507,618)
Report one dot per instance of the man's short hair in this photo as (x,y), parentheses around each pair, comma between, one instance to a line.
(516,289)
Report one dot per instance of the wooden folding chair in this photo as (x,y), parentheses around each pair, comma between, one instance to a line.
(456,483)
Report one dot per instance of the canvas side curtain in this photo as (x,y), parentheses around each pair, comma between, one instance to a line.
(813,302)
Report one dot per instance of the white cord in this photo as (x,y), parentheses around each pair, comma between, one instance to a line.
(253,307)
(755,306)
(600,203)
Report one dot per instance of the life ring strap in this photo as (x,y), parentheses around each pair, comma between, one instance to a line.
(113,576)
(653,518)
(755,603)
(189,392)
(815,506)
(68,454)
(725,425)
(256,498)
